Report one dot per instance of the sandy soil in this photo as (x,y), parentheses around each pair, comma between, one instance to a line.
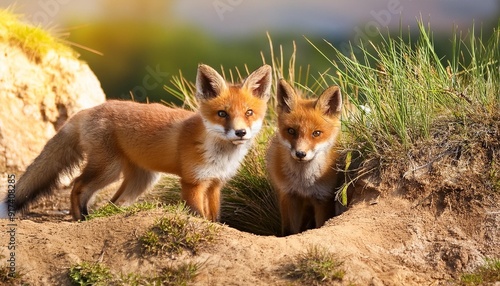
(395,241)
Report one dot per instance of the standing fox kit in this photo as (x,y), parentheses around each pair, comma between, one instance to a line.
(203,148)
(301,157)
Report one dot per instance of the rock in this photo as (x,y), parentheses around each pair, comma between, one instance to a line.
(36,97)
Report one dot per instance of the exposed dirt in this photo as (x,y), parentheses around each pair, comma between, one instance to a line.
(395,241)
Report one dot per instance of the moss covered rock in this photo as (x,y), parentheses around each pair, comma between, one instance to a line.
(40,87)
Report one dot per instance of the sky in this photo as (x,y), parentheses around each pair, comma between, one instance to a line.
(236,18)
(340,16)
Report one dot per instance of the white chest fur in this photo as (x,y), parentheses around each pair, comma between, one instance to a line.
(221,159)
(307,178)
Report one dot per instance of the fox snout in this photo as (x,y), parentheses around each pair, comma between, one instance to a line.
(302,155)
(299,150)
(239,136)
(240,130)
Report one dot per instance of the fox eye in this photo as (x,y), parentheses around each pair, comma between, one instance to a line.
(249,112)
(316,133)
(291,131)
(222,113)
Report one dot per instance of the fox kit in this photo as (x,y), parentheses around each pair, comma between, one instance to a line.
(203,148)
(301,157)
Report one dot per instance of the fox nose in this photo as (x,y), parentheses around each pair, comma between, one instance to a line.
(300,154)
(240,133)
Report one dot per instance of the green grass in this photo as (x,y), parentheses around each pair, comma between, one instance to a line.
(408,87)
(178,231)
(487,274)
(315,266)
(97,274)
(181,274)
(34,41)
(87,273)
(7,278)
(111,209)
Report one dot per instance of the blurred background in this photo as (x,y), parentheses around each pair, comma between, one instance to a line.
(141,44)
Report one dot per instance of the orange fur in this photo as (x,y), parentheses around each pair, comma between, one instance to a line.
(203,148)
(301,157)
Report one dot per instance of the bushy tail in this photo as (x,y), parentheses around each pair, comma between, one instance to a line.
(59,156)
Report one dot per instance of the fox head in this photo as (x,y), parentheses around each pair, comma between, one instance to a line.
(308,127)
(233,112)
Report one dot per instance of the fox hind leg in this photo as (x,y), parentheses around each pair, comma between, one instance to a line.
(136,181)
(95,176)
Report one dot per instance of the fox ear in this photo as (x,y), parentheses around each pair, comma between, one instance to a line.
(209,83)
(330,101)
(286,96)
(259,82)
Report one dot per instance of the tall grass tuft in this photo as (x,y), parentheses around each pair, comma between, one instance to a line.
(33,41)
(398,88)
(315,266)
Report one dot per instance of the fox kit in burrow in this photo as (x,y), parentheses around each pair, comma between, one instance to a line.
(203,148)
(301,157)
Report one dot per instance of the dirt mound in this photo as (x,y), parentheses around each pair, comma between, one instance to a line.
(396,241)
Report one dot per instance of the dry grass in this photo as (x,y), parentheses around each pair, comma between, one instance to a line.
(111,209)
(316,266)
(87,273)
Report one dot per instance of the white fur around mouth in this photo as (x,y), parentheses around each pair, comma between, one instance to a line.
(307,158)
(239,141)
(303,160)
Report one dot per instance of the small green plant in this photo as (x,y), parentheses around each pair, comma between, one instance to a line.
(180,274)
(314,267)
(177,275)
(487,274)
(176,232)
(9,277)
(89,273)
(96,274)
(112,209)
